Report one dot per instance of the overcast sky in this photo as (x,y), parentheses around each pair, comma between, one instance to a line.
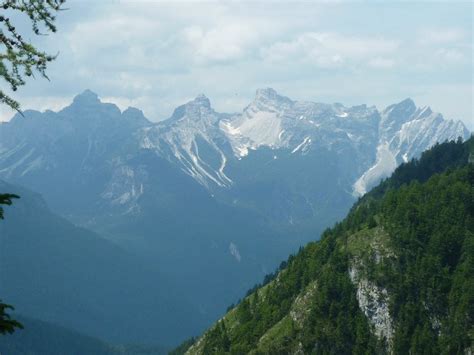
(156,55)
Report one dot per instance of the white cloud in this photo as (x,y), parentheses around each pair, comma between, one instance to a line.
(381,62)
(330,50)
(223,44)
(228,42)
(451,55)
(441,36)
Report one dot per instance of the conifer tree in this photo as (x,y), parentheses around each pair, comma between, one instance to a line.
(18,57)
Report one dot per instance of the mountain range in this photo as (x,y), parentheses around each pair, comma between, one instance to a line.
(92,147)
(209,202)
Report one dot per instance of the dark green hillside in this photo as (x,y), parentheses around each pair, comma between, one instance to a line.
(394,277)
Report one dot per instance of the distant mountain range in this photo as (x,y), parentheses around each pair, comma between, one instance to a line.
(213,201)
(92,149)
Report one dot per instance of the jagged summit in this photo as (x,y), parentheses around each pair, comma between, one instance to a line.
(192,109)
(269,94)
(405,108)
(395,115)
(87,107)
(201,100)
(86,97)
(266,92)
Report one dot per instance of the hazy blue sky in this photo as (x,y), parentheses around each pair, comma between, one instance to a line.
(156,55)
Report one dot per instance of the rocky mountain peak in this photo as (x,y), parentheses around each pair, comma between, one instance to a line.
(195,110)
(87,97)
(270,95)
(404,108)
(201,100)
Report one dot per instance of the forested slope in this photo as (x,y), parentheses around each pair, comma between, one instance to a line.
(395,276)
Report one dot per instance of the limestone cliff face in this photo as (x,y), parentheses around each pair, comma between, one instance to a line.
(371,248)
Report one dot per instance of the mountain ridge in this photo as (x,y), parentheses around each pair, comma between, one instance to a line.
(398,132)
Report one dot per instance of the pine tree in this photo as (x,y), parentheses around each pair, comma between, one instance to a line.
(18,57)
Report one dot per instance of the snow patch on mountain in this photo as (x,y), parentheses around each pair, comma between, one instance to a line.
(234,251)
(261,128)
(386,162)
(240,145)
(302,145)
(262,123)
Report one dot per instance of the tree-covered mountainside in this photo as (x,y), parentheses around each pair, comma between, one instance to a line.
(40,338)
(395,276)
